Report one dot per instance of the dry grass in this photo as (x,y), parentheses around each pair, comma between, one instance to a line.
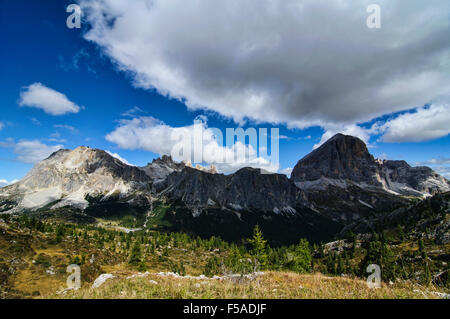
(271,285)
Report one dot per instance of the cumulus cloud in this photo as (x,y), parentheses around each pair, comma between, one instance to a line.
(133,112)
(423,124)
(443,170)
(196,143)
(260,59)
(50,101)
(34,151)
(120,158)
(438,161)
(352,129)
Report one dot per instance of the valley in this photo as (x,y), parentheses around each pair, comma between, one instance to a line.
(169,230)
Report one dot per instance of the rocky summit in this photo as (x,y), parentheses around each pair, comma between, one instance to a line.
(345,160)
(344,182)
(338,184)
(68,177)
(342,157)
(160,168)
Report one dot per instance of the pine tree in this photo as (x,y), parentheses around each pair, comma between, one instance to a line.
(422,248)
(259,247)
(340,265)
(348,266)
(212,267)
(401,233)
(321,250)
(427,273)
(303,256)
(353,247)
(136,254)
(330,264)
(142,266)
(447,276)
(379,253)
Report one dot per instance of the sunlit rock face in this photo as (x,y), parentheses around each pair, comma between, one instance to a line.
(69,176)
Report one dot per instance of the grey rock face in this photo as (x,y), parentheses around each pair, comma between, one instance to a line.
(245,189)
(341,157)
(343,181)
(340,180)
(428,217)
(346,159)
(421,178)
(160,168)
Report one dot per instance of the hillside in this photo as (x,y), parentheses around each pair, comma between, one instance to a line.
(34,256)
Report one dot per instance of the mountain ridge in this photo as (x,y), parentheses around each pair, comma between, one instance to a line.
(339,183)
(346,158)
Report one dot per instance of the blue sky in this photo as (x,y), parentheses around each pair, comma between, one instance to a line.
(37,47)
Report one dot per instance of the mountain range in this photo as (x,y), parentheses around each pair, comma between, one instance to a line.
(338,184)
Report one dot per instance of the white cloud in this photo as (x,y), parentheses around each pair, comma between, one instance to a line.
(34,151)
(1,126)
(4,182)
(259,59)
(438,161)
(287,171)
(35,121)
(66,127)
(50,101)
(353,129)
(56,138)
(150,134)
(423,124)
(9,142)
(120,158)
(133,112)
(443,170)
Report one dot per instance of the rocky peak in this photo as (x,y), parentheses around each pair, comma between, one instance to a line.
(67,176)
(344,160)
(402,178)
(341,157)
(248,188)
(165,159)
(160,168)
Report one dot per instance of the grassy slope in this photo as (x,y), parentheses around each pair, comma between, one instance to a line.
(271,285)
(33,264)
